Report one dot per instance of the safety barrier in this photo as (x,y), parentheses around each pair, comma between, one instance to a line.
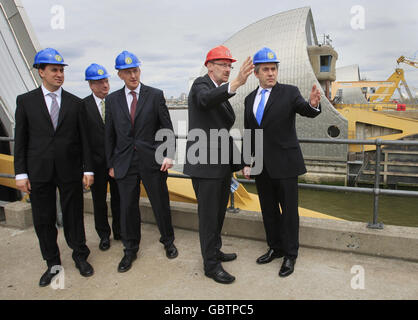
(376,191)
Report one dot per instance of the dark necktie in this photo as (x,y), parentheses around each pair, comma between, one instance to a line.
(133,106)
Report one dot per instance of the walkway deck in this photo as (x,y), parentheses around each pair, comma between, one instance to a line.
(319,274)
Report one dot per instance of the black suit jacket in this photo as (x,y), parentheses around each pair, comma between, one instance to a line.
(39,149)
(95,131)
(281,150)
(121,138)
(209,108)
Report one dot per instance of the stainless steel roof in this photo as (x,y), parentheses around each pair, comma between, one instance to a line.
(18,46)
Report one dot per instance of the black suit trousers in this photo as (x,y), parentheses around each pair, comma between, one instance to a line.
(44,212)
(279,206)
(212,198)
(99,194)
(155,183)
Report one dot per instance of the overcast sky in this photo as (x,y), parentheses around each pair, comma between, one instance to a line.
(171,38)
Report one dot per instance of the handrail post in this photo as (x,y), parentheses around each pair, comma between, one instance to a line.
(232,208)
(376,191)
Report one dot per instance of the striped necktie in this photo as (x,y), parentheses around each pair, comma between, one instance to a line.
(103,109)
(55,110)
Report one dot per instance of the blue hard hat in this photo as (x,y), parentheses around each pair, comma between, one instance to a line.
(48,56)
(265,55)
(126,60)
(96,72)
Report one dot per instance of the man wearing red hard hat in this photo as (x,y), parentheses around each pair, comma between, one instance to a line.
(209,109)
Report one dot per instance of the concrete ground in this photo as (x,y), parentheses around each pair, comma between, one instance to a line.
(319,274)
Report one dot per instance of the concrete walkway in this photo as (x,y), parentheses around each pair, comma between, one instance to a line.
(319,274)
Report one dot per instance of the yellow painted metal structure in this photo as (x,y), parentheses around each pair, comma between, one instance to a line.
(360,114)
(182,190)
(364,84)
(384,94)
(411,62)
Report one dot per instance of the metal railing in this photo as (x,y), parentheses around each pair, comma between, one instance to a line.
(376,191)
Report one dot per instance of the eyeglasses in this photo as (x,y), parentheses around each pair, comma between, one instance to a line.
(224,65)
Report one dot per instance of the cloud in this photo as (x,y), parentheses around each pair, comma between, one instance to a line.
(172,38)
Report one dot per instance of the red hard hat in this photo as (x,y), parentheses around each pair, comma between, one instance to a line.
(219,52)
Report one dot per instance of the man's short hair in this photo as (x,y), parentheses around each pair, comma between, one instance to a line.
(258,66)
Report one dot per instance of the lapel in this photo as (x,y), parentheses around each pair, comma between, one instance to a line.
(94,111)
(143,96)
(273,96)
(44,109)
(249,109)
(124,104)
(65,106)
(226,104)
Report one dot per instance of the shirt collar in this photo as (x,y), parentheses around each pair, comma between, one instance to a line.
(216,85)
(97,99)
(261,89)
(136,90)
(45,91)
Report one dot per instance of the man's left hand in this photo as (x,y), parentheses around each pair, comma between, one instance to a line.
(167,164)
(315,97)
(88,180)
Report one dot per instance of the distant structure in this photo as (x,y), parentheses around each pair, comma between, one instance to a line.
(18,46)
(350,95)
(303,63)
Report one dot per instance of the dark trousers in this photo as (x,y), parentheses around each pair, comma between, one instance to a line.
(44,212)
(212,199)
(155,183)
(99,194)
(279,206)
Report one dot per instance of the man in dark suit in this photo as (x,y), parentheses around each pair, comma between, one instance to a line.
(272,107)
(51,150)
(94,105)
(134,114)
(209,109)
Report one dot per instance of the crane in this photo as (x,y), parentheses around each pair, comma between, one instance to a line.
(407,61)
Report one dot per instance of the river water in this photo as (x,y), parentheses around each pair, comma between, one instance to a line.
(393,210)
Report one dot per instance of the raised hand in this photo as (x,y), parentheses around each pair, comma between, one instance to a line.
(246,69)
(315,96)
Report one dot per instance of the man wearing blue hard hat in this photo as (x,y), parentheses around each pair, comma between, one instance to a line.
(134,114)
(51,151)
(272,107)
(94,105)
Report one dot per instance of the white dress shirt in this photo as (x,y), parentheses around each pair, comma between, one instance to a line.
(258,99)
(229,86)
(266,97)
(98,103)
(129,97)
(48,101)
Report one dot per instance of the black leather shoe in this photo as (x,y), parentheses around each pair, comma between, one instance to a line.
(225,257)
(220,275)
(126,262)
(47,277)
(269,256)
(104,244)
(287,267)
(171,251)
(85,268)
